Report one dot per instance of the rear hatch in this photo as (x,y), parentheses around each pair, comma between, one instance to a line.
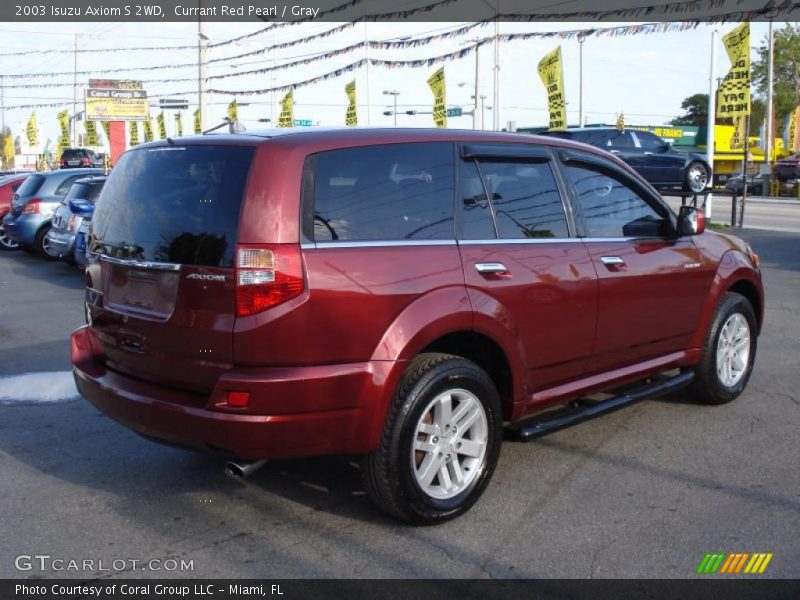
(161,262)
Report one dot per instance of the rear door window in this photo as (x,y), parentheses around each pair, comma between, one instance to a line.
(381,193)
(174,204)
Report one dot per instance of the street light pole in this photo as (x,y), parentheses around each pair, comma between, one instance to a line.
(711,121)
(770,76)
(394,94)
(202,79)
(580,80)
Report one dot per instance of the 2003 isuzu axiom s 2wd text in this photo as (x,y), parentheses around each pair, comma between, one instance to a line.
(401,295)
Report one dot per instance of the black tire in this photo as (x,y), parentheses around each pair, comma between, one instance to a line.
(39,243)
(6,243)
(27,248)
(387,473)
(690,183)
(707,387)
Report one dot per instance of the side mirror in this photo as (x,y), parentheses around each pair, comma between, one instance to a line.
(80,207)
(691,221)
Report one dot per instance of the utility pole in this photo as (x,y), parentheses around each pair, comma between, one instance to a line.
(477,118)
(73,132)
(202,77)
(496,70)
(770,76)
(580,80)
(711,121)
(366,58)
(394,94)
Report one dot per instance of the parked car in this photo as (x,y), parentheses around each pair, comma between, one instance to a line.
(401,295)
(756,185)
(788,168)
(72,158)
(76,206)
(648,154)
(8,186)
(32,206)
(79,250)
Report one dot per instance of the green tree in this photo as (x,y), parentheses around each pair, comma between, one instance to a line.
(786,80)
(695,109)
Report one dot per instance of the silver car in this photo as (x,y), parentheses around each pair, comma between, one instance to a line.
(76,207)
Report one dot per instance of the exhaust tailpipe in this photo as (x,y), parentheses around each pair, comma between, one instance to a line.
(241,469)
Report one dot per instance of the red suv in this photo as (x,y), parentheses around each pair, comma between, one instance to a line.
(402,295)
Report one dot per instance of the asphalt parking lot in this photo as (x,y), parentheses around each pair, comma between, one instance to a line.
(644,492)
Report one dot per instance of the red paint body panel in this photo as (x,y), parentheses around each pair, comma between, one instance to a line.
(322,368)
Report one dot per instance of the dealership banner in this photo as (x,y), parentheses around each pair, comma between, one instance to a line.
(351,116)
(552,75)
(198,128)
(286,119)
(134,134)
(116,100)
(791,131)
(179,123)
(734,91)
(233,111)
(31,131)
(91,133)
(148,130)
(739,137)
(63,123)
(162,126)
(437,85)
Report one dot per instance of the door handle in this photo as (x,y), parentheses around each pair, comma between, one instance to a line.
(614,263)
(648,153)
(614,151)
(491,268)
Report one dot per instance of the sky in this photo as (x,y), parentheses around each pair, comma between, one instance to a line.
(645,76)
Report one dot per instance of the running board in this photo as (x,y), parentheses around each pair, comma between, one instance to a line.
(550,423)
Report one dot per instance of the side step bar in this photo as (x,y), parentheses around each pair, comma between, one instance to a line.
(550,423)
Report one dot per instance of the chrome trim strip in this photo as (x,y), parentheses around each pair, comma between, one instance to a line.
(378,244)
(494,242)
(141,264)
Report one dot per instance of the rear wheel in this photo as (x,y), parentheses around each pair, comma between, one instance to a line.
(729,352)
(6,243)
(42,244)
(696,179)
(440,443)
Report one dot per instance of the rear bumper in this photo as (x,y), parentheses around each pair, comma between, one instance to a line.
(23,228)
(348,421)
(62,243)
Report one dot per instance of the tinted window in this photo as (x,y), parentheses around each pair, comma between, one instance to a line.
(593,137)
(476,213)
(93,193)
(73,153)
(175,204)
(620,140)
(64,186)
(84,191)
(526,200)
(392,192)
(649,141)
(612,209)
(31,185)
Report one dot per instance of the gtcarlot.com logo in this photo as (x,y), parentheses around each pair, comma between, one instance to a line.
(734,563)
(46,562)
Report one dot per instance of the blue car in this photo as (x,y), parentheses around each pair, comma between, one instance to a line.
(76,206)
(32,207)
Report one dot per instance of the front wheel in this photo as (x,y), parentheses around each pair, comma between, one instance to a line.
(440,443)
(696,179)
(728,353)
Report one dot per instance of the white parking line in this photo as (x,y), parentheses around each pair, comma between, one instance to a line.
(29,388)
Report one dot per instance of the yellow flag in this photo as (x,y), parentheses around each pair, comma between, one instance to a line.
(107,129)
(197,127)
(286,119)
(621,122)
(179,123)
(91,133)
(162,126)
(436,83)
(734,91)
(148,130)
(351,116)
(134,134)
(233,111)
(63,122)
(739,137)
(31,131)
(8,149)
(552,75)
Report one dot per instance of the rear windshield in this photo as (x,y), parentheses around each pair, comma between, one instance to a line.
(31,185)
(72,154)
(176,204)
(84,191)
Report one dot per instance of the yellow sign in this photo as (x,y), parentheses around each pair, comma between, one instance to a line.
(286,119)
(91,133)
(552,75)
(233,111)
(793,131)
(739,137)
(148,130)
(734,91)
(134,134)
(198,129)
(621,122)
(436,83)
(63,123)
(179,123)
(30,130)
(162,126)
(116,100)
(351,116)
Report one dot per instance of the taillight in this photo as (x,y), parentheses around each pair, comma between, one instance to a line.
(85,162)
(31,207)
(63,162)
(267,275)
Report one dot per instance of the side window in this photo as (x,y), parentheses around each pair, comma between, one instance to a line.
(476,213)
(620,140)
(526,200)
(390,192)
(612,209)
(64,186)
(648,141)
